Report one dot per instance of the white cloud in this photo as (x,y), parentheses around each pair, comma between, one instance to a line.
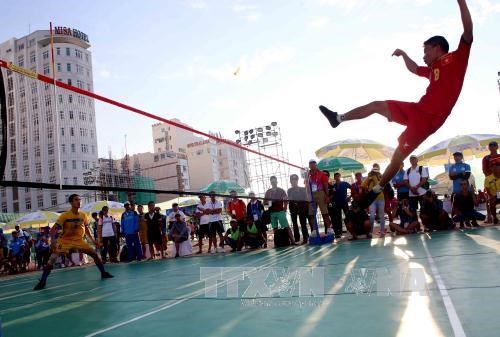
(319,22)
(253,17)
(104,73)
(244,8)
(483,9)
(348,6)
(197,4)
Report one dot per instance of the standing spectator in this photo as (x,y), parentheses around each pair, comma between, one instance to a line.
(299,208)
(163,221)
(277,201)
(401,185)
(416,177)
(236,208)
(459,172)
(4,248)
(42,250)
(464,204)
(340,203)
(317,186)
(255,209)
(379,204)
(143,229)
(106,233)
(130,229)
(216,225)
(203,213)
(178,233)
(357,186)
(492,187)
(94,223)
(17,248)
(154,222)
(357,222)
(488,163)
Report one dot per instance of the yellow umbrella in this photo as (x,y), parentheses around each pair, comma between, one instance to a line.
(116,209)
(362,150)
(34,220)
(475,145)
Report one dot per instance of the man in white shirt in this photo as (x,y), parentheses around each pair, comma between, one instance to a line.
(416,176)
(216,225)
(173,213)
(203,213)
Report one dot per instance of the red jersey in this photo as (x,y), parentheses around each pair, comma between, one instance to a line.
(447,77)
(488,162)
(237,209)
(317,180)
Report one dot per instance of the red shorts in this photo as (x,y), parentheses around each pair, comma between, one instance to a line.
(419,124)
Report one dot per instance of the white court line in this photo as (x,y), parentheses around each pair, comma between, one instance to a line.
(199,292)
(456,325)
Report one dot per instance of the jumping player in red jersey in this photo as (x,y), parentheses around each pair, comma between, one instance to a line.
(445,71)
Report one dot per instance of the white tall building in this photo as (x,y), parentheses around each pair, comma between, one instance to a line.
(38,121)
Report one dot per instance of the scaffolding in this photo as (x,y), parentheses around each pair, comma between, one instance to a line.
(267,140)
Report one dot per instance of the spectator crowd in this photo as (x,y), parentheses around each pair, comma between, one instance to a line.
(408,205)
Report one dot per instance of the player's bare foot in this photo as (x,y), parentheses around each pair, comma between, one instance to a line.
(332,116)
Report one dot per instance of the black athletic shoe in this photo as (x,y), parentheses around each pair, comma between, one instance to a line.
(40,285)
(106,275)
(366,199)
(330,115)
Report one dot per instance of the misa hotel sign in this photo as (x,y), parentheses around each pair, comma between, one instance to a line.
(71,32)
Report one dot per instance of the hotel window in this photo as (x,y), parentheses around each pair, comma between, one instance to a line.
(53,199)
(20,47)
(64,165)
(68,52)
(68,67)
(38,168)
(45,55)
(69,81)
(73,148)
(73,164)
(61,113)
(46,69)
(75,181)
(39,200)
(58,51)
(63,148)
(37,151)
(62,131)
(32,57)
(20,61)
(31,43)
(28,204)
(72,132)
(70,98)
(59,67)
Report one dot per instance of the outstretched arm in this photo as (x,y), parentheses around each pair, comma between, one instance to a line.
(410,64)
(466,21)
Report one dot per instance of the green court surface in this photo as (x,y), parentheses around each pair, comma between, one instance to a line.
(362,294)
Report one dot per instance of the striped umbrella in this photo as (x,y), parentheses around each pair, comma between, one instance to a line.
(362,150)
(343,165)
(474,145)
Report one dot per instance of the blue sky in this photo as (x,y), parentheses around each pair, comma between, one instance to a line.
(177,59)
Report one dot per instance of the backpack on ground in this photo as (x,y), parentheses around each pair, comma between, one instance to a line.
(281,238)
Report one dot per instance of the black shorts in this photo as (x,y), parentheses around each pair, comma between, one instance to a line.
(155,237)
(204,231)
(216,228)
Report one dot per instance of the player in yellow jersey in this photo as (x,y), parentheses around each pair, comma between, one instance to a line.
(73,225)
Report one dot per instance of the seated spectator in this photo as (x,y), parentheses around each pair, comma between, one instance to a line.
(464,204)
(233,237)
(16,254)
(408,219)
(432,214)
(178,233)
(492,187)
(42,250)
(253,236)
(357,222)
